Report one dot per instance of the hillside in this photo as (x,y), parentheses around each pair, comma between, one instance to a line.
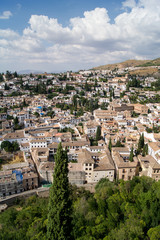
(155,62)
(117,210)
(125,64)
(145,71)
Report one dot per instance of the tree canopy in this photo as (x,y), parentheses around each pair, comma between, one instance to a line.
(116,210)
(10,147)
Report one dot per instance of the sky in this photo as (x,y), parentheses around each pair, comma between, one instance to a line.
(61,35)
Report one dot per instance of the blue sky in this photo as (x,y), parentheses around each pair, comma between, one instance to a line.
(54,35)
(63,10)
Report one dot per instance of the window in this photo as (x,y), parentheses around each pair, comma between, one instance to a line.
(90,168)
(122,176)
(86,168)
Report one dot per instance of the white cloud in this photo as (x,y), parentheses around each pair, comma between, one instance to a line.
(9,34)
(88,41)
(129,4)
(6,15)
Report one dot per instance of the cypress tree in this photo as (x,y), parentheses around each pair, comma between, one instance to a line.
(110,145)
(131,155)
(146,148)
(142,140)
(59,216)
(98,133)
(140,143)
(144,151)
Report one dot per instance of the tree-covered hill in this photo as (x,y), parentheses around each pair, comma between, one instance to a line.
(116,211)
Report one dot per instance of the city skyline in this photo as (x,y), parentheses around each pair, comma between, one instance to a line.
(63,35)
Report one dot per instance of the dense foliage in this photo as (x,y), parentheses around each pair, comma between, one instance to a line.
(156,84)
(134,83)
(25,221)
(116,211)
(10,147)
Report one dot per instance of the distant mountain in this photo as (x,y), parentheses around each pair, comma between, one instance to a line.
(30,71)
(128,63)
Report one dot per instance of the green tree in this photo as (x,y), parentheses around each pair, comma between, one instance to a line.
(131,155)
(7,146)
(145,150)
(91,107)
(75,101)
(24,104)
(16,121)
(1,77)
(110,145)
(15,146)
(140,144)
(98,133)
(59,217)
(6,87)
(95,83)
(154,233)
(51,114)
(15,74)
(37,114)
(110,98)
(80,112)
(87,87)
(10,147)
(8,74)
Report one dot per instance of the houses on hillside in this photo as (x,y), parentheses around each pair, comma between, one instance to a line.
(71,110)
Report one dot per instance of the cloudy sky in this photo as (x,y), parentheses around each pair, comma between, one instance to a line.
(60,35)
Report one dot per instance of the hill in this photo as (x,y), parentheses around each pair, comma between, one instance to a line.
(155,62)
(145,71)
(125,64)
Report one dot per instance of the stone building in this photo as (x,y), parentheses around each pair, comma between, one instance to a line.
(150,167)
(10,183)
(125,169)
